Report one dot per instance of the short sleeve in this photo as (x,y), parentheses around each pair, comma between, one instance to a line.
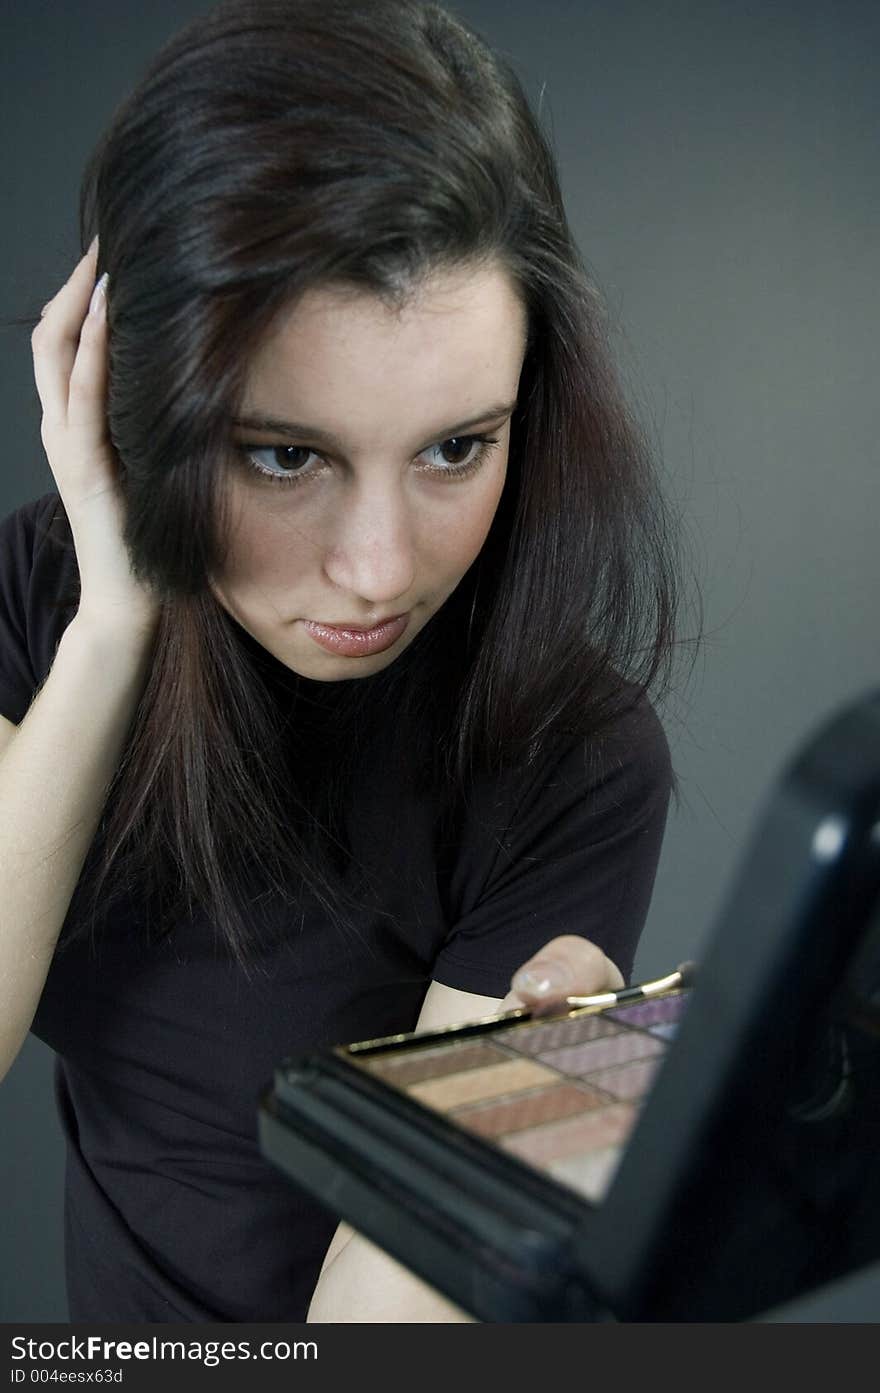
(32,573)
(579,856)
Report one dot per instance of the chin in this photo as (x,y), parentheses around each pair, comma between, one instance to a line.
(329,667)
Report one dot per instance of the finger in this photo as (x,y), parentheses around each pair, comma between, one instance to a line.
(566,966)
(55,339)
(86,407)
(92,254)
(89,261)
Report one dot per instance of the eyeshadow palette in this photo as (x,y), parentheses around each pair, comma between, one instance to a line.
(561,1095)
(470,1152)
(700,1148)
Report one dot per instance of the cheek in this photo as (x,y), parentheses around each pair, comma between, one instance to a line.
(274,548)
(463,537)
(461,543)
(266,550)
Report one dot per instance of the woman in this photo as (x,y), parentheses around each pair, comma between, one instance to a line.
(341,629)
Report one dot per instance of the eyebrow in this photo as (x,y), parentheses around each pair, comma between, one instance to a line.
(333,442)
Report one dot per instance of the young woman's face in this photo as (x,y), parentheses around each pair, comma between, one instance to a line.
(374,496)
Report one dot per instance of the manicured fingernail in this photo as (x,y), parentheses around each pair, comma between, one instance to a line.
(98,300)
(92,245)
(542,978)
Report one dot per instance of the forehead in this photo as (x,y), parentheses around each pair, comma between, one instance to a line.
(349,357)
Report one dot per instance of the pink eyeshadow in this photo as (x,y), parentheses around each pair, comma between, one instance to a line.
(528,1110)
(473,1085)
(591,1131)
(600,1054)
(536,1039)
(628,1081)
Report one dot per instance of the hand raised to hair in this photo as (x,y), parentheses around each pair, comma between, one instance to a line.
(70,353)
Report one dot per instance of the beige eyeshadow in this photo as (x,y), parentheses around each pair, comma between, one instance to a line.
(415,1065)
(589,1174)
(473,1084)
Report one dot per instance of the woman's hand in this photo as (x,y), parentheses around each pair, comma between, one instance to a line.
(70,354)
(565,966)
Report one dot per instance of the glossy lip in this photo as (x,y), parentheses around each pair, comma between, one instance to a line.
(352,642)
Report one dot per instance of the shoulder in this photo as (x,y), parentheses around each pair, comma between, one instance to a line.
(26,521)
(625,762)
(631,751)
(34,533)
(571,846)
(38,596)
(42,552)
(593,789)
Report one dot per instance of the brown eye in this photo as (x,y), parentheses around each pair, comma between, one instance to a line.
(459,447)
(467,454)
(289,458)
(278,464)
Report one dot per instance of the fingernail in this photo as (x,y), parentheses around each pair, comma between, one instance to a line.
(542,979)
(98,300)
(92,245)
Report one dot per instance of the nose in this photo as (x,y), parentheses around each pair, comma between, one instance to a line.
(371,553)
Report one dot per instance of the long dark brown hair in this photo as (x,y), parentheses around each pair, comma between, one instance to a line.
(277,146)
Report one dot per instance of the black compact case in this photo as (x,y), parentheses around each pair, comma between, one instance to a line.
(746,1172)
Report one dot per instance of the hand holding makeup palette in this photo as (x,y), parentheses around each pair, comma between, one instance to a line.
(561,1094)
(698,1148)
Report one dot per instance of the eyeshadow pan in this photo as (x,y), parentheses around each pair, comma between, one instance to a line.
(536,1038)
(528,1109)
(645,1013)
(588,1132)
(590,1174)
(627,1081)
(471,1085)
(415,1065)
(599,1054)
(665,1031)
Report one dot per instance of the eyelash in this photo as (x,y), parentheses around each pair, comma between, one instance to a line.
(486,442)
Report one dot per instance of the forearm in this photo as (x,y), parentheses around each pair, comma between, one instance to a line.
(362,1283)
(54,778)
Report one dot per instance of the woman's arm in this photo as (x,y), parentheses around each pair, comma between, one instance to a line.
(359,1281)
(362,1283)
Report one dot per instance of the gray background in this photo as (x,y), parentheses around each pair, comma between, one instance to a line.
(720,163)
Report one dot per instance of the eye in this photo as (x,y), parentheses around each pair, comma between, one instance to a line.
(463,446)
(288,464)
(289,459)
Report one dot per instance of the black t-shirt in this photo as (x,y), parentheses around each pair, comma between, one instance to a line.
(163,1047)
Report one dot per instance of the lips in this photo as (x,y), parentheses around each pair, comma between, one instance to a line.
(356,628)
(352,642)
